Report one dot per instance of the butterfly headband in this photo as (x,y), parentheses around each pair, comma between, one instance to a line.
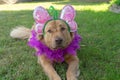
(42,16)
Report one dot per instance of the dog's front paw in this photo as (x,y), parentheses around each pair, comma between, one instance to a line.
(73,76)
(56,78)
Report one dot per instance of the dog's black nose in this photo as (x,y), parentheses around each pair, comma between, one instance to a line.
(58,41)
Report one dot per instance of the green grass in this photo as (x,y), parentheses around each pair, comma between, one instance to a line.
(100,51)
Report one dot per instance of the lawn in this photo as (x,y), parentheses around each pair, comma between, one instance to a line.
(100,48)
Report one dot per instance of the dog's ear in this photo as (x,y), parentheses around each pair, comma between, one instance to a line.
(41,16)
(72,35)
(40,37)
(68,14)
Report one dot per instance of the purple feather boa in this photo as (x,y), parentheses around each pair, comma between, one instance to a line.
(54,55)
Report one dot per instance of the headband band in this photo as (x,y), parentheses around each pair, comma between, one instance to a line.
(51,20)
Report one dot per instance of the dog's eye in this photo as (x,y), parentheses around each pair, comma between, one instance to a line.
(49,31)
(62,29)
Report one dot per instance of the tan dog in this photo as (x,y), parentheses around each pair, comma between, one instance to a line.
(54,30)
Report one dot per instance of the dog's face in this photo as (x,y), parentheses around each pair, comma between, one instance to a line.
(56,34)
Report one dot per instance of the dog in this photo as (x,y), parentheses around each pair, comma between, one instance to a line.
(55,35)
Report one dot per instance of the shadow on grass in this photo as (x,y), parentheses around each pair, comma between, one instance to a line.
(77,3)
(99,30)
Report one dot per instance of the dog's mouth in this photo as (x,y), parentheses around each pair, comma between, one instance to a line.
(58,47)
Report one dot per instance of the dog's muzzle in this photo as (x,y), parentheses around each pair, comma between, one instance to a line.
(58,41)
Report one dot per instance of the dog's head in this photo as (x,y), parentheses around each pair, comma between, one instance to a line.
(57,32)
(57,35)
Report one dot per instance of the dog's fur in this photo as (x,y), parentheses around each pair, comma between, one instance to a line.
(55,29)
